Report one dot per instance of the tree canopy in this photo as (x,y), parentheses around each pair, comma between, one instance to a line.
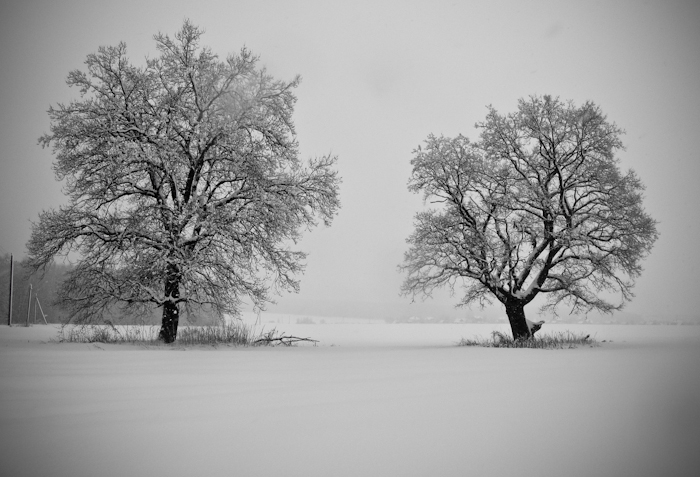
(538,206)
(184,183)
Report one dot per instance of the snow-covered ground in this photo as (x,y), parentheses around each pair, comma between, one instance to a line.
(369,400)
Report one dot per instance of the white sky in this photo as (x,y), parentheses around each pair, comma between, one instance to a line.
(378,77)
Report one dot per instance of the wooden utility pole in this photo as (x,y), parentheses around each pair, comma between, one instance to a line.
(40,309)
(12,274)
(29,303)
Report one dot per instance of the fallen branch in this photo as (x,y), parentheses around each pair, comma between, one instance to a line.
(285,340)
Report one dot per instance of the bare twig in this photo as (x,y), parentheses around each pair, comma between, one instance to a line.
(270,339)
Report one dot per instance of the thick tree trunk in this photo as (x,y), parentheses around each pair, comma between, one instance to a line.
(171,311)
(518,324)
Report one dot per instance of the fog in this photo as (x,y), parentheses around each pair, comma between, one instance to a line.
(378,77)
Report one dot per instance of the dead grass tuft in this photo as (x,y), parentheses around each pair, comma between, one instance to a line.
(560,340)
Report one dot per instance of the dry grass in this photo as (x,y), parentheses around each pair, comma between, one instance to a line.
(561,340)
(108,333)
(228,334)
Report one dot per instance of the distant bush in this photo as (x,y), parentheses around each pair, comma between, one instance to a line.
(561,340)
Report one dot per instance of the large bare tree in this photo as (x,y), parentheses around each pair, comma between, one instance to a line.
(184,183)
(538,206)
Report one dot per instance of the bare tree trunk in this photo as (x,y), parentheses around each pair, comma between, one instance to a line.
(171,311)
(518,324)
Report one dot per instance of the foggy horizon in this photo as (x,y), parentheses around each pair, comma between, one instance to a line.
(377,79)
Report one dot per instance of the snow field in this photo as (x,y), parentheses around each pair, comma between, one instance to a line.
(384,400)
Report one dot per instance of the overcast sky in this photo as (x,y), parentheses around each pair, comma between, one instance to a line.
(378,77)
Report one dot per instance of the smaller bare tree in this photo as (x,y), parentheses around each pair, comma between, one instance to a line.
(537,206)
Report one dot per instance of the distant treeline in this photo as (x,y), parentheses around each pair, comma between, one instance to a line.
(44,286)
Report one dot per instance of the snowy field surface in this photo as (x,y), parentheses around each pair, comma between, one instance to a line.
(368,400)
